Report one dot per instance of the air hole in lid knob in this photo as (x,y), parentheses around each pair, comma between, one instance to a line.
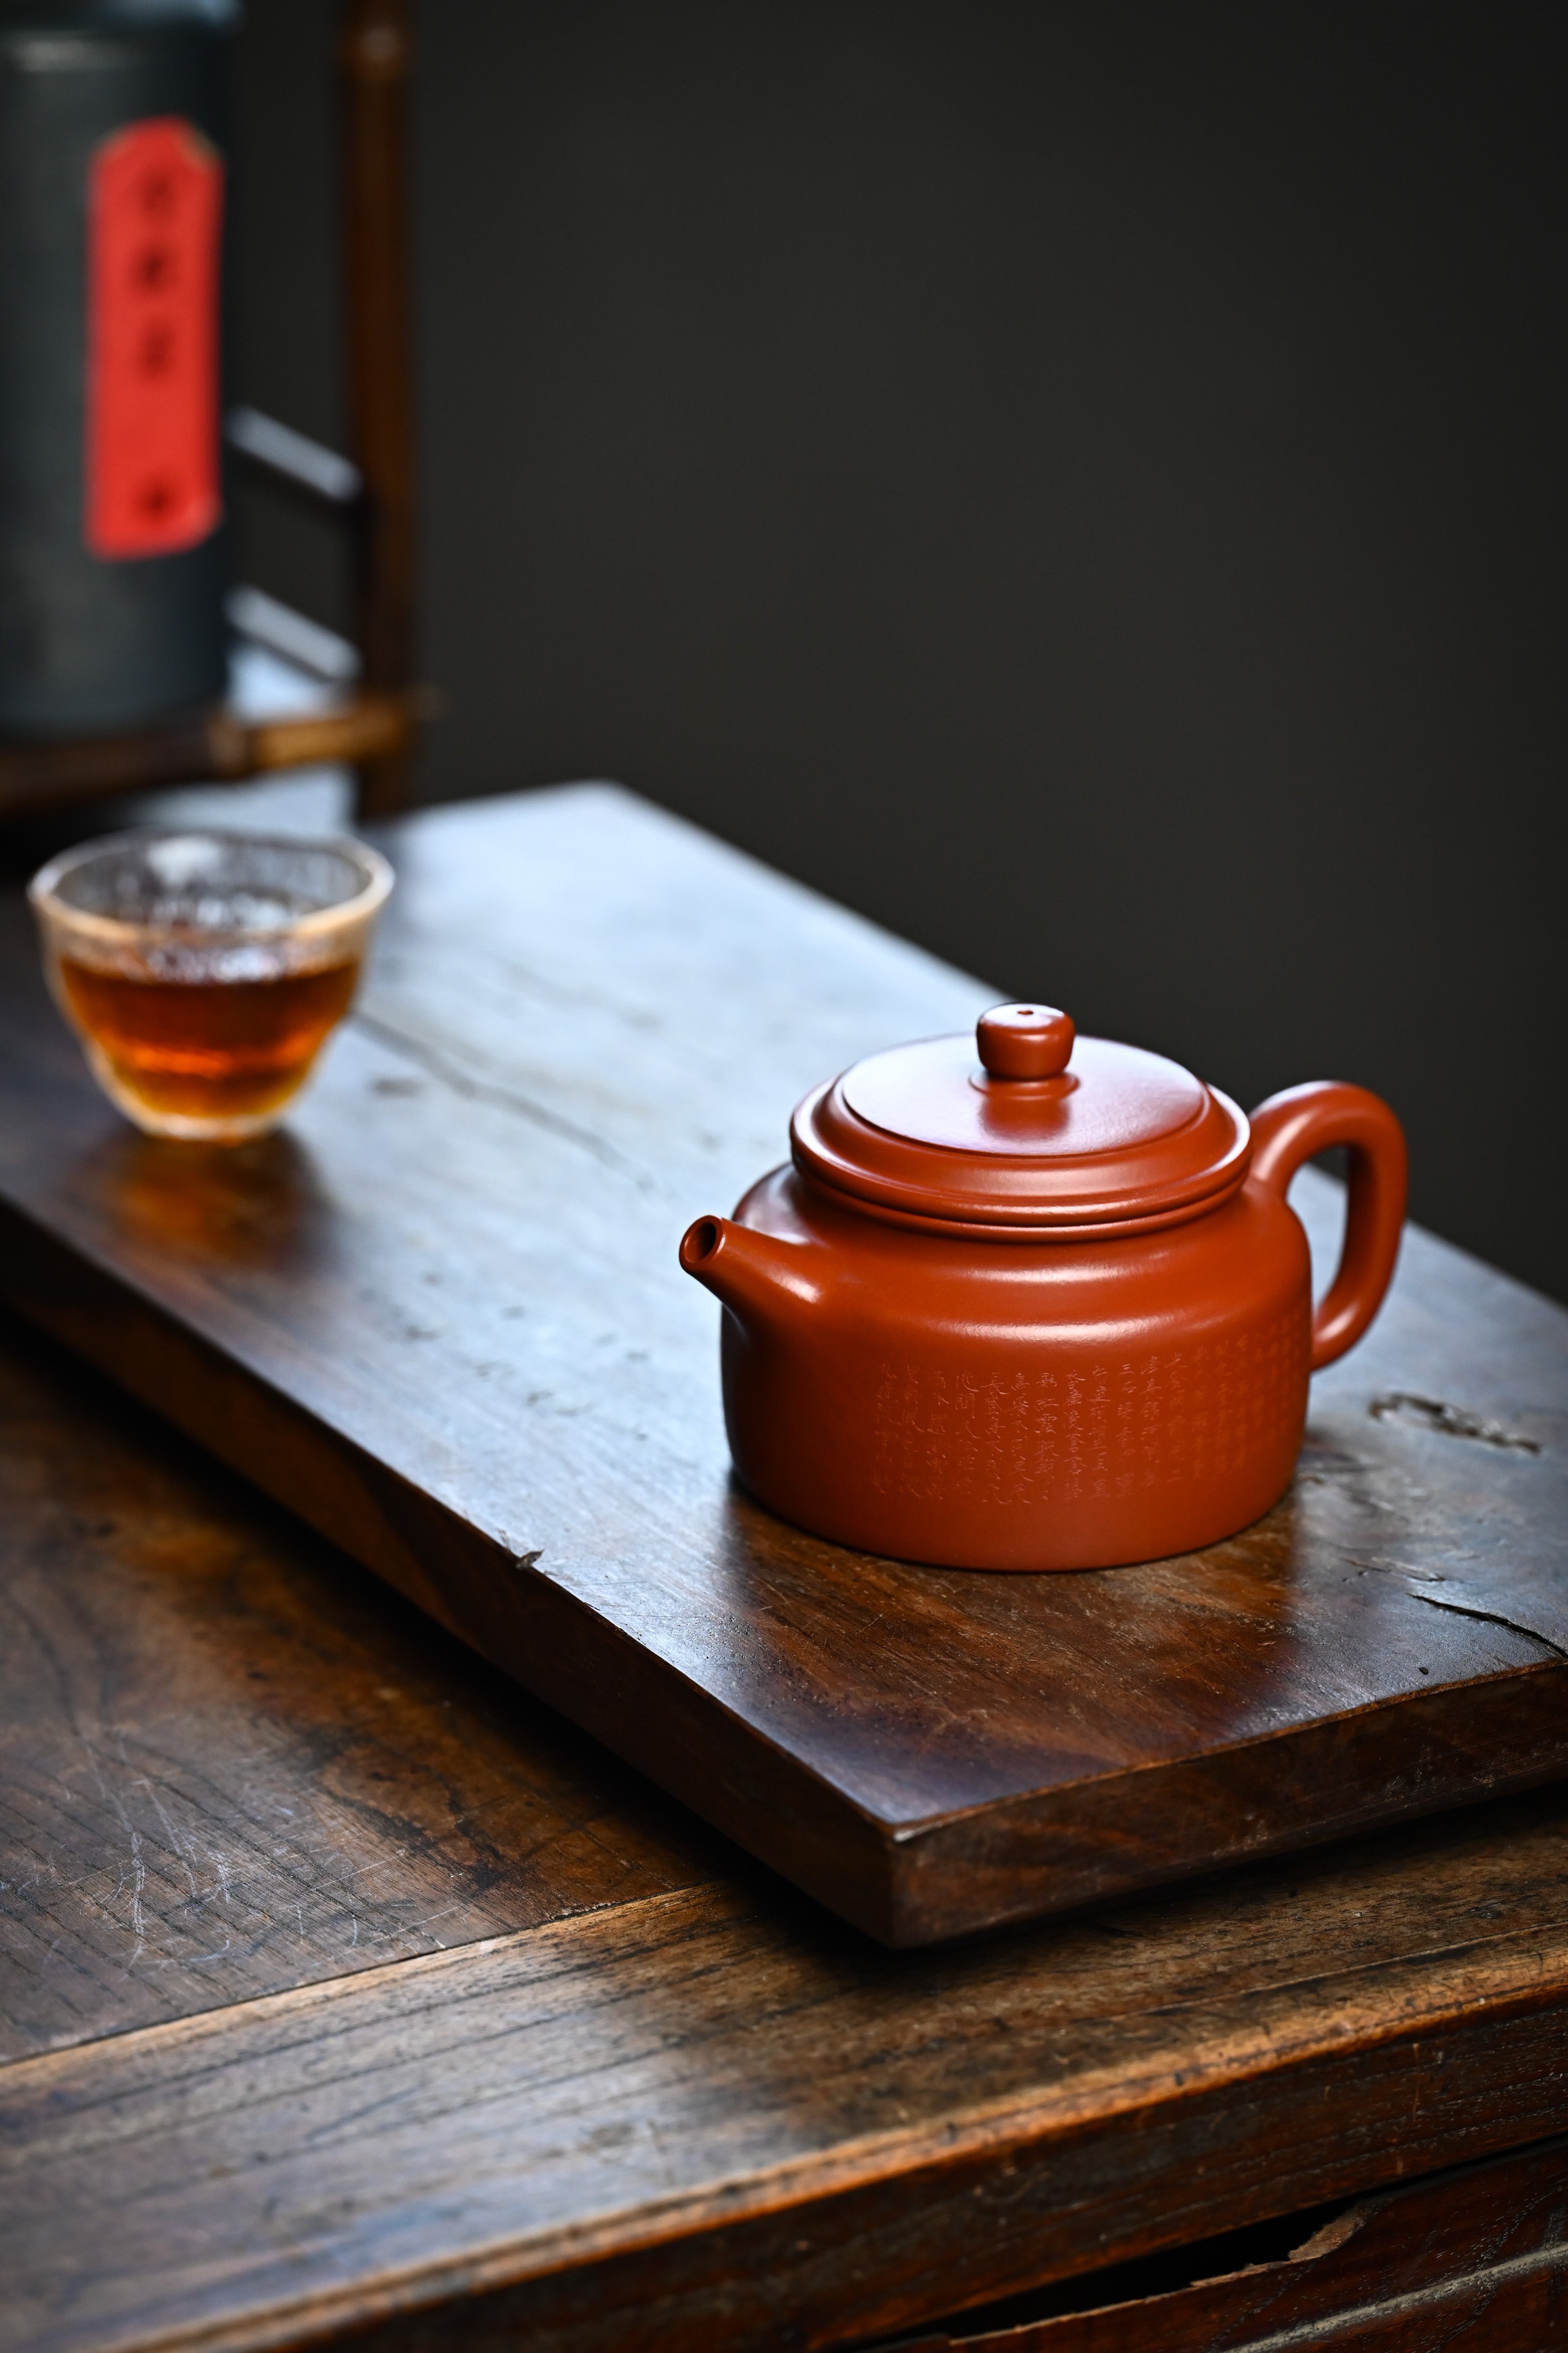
(1025,1041)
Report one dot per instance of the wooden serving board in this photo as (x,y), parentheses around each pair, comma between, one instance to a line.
(440,1316)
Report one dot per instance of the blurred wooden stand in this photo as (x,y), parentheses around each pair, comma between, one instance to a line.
(370,492)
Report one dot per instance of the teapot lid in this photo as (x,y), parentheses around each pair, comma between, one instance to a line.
(1044,1131)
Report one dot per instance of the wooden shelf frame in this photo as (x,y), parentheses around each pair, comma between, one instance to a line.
(371,491)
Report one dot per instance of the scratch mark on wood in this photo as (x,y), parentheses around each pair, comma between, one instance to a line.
(444,1068)
(1448,1420)
(176,1844)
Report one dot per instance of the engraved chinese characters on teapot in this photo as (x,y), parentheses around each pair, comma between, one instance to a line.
(1045,1306)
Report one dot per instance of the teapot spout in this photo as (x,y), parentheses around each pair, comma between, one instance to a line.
(756,1276)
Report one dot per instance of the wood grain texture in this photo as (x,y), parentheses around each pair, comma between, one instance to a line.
(713,2119)
(701,2115)
(441,1316)
(231,1763)
(1474,2260)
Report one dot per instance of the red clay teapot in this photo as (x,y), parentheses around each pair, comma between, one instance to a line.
(1044,1309)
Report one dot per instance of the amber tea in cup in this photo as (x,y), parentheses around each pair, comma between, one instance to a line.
(204,972)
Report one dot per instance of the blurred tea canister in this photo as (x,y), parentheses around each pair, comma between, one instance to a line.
(112,558)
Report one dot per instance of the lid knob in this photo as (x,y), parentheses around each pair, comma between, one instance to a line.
(1025,1041)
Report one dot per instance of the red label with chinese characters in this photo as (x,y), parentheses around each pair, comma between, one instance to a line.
(154,216)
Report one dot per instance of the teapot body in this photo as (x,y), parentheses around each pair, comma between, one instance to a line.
(1047,1310)
(1022,1403)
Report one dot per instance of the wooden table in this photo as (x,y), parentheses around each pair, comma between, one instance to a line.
(343,1986)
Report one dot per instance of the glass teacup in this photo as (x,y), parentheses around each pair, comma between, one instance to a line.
(204,972)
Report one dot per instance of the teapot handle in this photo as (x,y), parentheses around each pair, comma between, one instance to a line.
(1288,1129)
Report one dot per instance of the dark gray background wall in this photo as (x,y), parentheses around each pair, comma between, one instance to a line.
(1081,482)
